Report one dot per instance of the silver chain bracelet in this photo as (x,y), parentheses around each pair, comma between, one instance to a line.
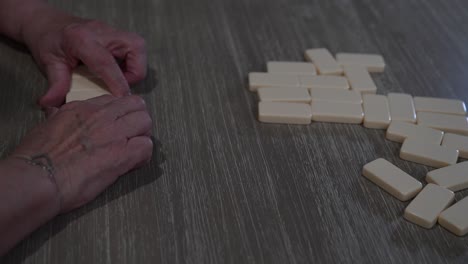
(45,163)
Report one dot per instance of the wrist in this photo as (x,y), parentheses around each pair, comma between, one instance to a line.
(28,199)
(15,13)
(36,23)
(43,191)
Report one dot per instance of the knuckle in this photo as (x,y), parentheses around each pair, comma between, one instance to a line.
(77,37)
(120,142)
(147,118)
(76,32)
(147,121)
(148,142)
(119,114)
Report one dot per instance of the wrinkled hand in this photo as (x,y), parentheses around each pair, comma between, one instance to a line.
(90,144)
(59,42)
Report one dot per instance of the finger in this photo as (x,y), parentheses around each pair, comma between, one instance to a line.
(135,67)
(131,48)
(102,100)
(100,61)
(134,124)
(123,106)
(138,152)
(59,77)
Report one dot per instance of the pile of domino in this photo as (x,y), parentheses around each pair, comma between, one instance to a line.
(340,89)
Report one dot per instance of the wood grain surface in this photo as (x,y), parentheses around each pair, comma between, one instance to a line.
(224,188)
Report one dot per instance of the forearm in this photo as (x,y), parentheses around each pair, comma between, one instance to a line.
(28,199)
(25,20)
(14,15)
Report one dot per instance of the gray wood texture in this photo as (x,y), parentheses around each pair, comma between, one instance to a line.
(224,188)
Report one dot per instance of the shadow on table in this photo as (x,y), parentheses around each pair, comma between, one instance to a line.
(126,184)
(21,85)
(148,84)
(13,44)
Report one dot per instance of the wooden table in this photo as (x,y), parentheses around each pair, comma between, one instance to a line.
(224,188)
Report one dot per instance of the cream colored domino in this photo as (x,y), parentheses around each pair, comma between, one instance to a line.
(427,205)
(455,218)
(323,61)
(401,107)
(337,112)
(372,62)
(419,151)
(324,81)
(398,131)
(84,95)
(448,123)
(335,95)
(83,79)
(456,142)
(262,79)
(439,105)
(82,83)
(279,94)
(284,113)
(392,179)
(376,111)
(85,85)
(287,67)
(360,79)
(454,177)
(82,71)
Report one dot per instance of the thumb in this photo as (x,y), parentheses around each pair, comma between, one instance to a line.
(59,77)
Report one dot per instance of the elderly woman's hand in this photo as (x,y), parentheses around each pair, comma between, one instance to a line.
(89,144)
(59,42)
